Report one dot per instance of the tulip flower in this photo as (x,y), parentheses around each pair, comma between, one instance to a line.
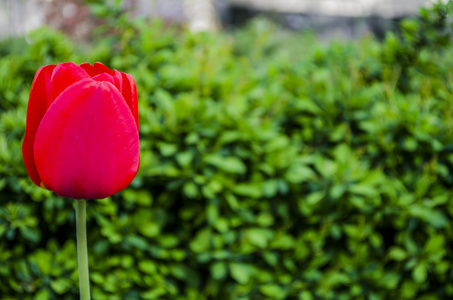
(81,139)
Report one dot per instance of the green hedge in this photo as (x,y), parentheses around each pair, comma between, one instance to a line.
(272,167)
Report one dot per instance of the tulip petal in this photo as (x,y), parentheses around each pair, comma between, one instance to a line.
(104,77)
(129,92)
(101,68)
(96,69)
(87,144)
(118,78)
(37,106)
(89,69)
(63,76)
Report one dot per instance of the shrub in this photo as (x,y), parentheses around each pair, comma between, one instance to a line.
(267,172)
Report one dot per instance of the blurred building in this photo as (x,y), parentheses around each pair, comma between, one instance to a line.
(17,17)
(340,8)
(338,19)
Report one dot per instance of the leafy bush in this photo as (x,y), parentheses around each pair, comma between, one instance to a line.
(267,172)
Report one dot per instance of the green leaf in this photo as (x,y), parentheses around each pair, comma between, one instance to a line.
(31,234)
(179,271)
(410,144)
(397,254)
(270,188)
(43,294)
(434,217)
(308,105)
(274,291)
(190,190)
(342,153)
(147,266)
(240,272)
(390,280)
(155,293)
(419,273)
(201,242)
(363,189)
(150,229)
(218,270)
(60,285)
(3,229)
(44,262)
(337,191)
(248,190)
(184,158)
(337,278)
(314,198)
(259,237)
(167,149)
(305,296)
(271,258)
(281,240)
(212,213)
(326,167)
(299,173)
(136,241)
(227,164)
(435,244)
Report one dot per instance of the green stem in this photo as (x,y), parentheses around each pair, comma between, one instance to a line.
(84,279)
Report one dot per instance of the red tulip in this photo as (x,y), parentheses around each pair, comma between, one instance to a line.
(81,139)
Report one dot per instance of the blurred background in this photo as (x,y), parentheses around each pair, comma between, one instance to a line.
(331,18)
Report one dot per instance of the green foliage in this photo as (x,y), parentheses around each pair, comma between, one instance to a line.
(267,172)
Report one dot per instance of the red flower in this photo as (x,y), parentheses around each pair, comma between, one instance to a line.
(81,139)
